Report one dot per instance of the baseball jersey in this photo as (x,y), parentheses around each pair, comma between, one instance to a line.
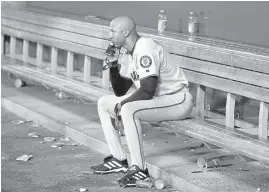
(151,59)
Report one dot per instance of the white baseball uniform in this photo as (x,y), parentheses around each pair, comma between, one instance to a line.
(172,100)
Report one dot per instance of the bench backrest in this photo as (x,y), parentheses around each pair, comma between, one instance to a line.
(235,68)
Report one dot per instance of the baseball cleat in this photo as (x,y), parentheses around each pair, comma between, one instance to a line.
(133,174)
(105,160)
(111,165)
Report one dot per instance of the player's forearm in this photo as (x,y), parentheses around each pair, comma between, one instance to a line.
(145,92)
(119,84)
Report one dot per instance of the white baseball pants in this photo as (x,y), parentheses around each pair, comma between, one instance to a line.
(164,108)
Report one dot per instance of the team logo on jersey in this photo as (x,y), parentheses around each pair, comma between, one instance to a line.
(145,61)
(134,76)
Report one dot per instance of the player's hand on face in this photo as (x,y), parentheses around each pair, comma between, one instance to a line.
(112,58)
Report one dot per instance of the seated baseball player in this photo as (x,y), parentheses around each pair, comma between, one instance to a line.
(162,94)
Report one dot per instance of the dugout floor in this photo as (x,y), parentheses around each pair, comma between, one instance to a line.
(169,155)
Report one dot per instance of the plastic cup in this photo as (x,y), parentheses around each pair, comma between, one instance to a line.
(160,184)
(144,184)
(208,163)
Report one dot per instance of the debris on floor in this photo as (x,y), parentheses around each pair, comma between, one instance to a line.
(197,172)
(24,157)
(17,122)
(19,83)
(91,17)
(83,189)
(64,139)
(49,138)
(35,125)
(61,95)
(28,120)
(208,163)
(144,184)
(33,134)
(87,172)
(47,68)
(73,144)
(160,184)
(55,145)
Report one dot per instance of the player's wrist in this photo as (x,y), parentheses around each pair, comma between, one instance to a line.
(109,64)
(114,64)
(114,69)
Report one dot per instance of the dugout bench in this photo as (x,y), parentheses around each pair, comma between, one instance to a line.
(235,69)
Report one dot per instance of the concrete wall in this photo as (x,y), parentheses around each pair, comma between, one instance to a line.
(237,21)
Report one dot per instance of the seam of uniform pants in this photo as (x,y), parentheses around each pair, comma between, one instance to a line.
(148,109)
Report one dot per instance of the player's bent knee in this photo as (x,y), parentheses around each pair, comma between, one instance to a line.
(126,110)
(130,111)
(104,100)
(100,101)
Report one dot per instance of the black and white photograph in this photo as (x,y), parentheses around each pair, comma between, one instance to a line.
(134,96)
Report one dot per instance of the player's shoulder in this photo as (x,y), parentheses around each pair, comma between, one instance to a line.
(146,43)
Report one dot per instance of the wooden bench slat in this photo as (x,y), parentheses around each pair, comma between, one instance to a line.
(61,44)
(61,70)
(25,50)
(227,57)
(39,54)
(208,43)
(12,46)
(211,115)
(230,106)
(61,15)
(200,101)
(56,33)
(67,16)
(78,27)
(105,78)
(229,86)
(70,66)
(227,72)
(2,44)
(263,120)
(87,69)
(31,60)
(54,56)
(234,140)
(57,81)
